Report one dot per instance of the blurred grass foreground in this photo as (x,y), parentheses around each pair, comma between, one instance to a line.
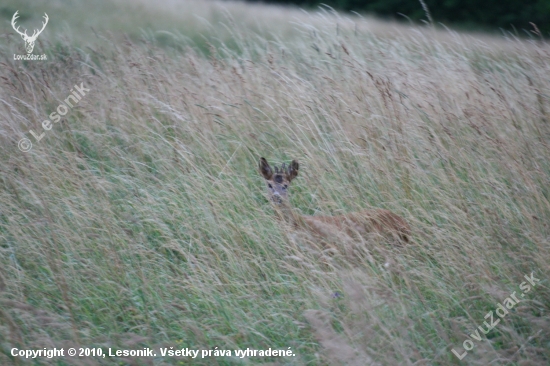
(140,220)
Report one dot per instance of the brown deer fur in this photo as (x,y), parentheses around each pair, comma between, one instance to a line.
(357,223)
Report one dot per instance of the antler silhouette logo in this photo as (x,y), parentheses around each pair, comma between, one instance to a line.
(29,41)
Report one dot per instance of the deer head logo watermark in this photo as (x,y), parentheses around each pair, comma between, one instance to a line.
(29,40)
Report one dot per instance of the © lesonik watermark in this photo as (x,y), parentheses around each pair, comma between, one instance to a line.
(29,40)
(501,311)
(25,144)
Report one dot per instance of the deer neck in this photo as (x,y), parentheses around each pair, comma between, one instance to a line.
(286,213)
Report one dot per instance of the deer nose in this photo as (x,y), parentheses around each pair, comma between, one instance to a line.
(277,197)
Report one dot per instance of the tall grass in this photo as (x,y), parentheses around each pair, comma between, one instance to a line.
(140,220)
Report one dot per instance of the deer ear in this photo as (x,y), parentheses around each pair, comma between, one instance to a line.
(265,169)
(292,171)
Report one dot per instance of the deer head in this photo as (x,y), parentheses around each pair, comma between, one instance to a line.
(29,41)
(278,179)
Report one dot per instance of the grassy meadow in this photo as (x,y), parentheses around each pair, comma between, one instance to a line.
(140,219)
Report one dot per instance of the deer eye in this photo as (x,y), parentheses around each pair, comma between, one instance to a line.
(269,185)
(285,186)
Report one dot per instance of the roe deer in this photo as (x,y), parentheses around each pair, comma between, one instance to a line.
(364,222)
